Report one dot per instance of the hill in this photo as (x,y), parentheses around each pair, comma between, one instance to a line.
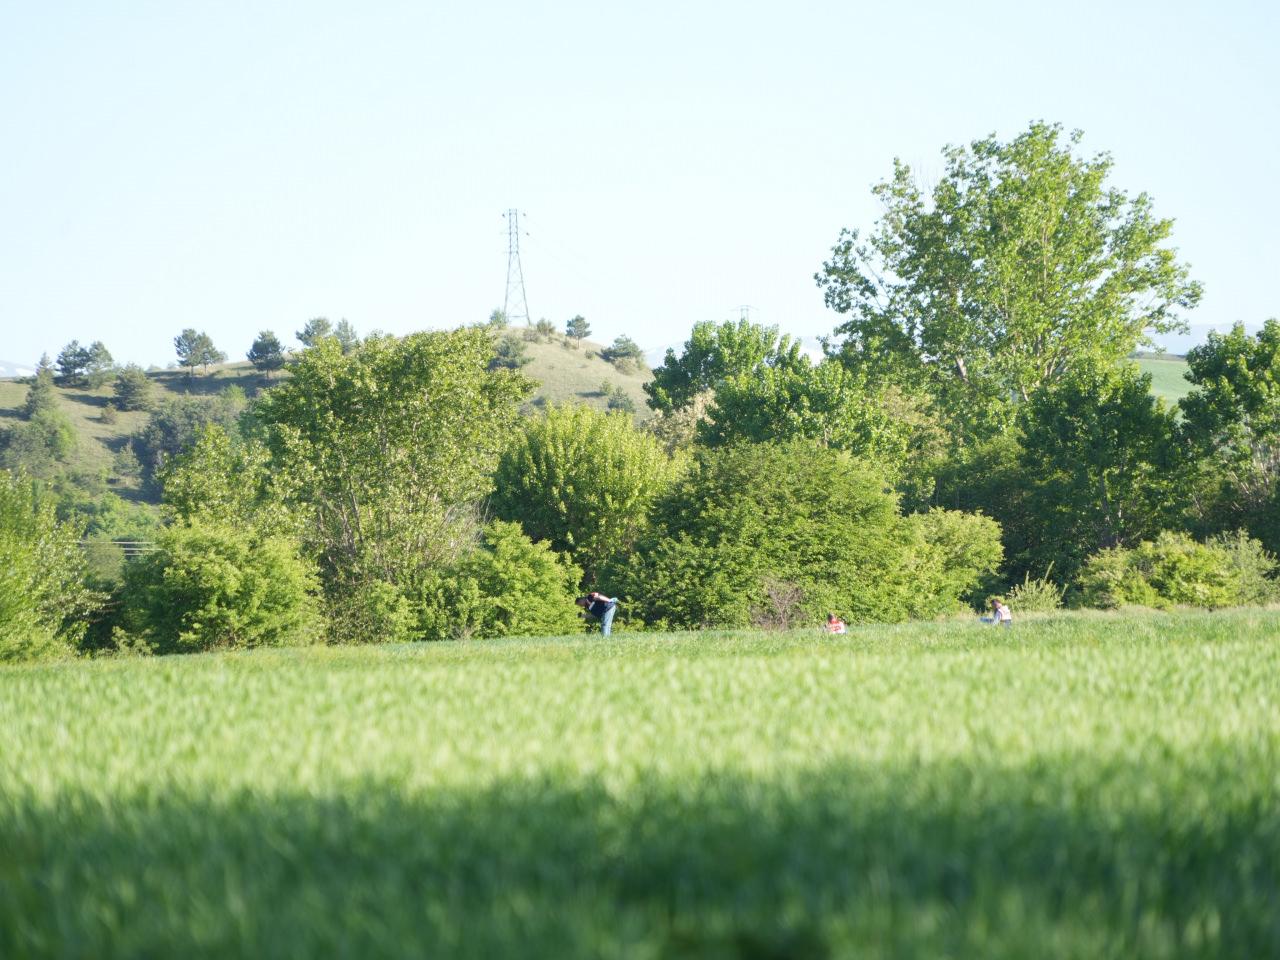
(562,371)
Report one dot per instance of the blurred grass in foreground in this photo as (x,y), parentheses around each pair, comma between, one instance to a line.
(1078,786)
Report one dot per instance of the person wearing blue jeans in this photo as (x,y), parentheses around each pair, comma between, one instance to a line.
(601,607)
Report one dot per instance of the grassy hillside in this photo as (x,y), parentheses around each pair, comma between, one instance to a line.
(562,373)
(1078,786)
(1168,377)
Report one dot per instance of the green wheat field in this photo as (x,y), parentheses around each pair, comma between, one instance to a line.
(1078,786)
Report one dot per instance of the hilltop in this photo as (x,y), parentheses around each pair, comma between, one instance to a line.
(562,371)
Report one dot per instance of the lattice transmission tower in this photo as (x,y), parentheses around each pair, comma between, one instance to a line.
(514,305)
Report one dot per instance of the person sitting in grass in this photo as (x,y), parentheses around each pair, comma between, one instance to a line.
(601,607)
(1001,615)
(835,624)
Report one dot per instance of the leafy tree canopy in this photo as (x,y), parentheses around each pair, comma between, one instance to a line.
(582,480)
(1019,266)
(714,353)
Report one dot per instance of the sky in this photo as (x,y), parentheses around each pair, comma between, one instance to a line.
(244,166)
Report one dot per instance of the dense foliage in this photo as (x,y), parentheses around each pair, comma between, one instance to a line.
(45,603)
(211,585)
(1018,266)
(776,532)
(583,481)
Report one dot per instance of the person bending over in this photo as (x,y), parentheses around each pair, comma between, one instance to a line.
(601,607)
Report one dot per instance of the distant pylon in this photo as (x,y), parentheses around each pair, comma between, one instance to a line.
(514,305)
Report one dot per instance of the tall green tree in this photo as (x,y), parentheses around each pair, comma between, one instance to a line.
(1231,419)
(314,331)
(390,448)
(1101,464)
(266,353)
(73,360)
(1018,267)
(99,364)
(196,349)
(132,388)
(577,328)
(582,480)
(715,353)
(348,339)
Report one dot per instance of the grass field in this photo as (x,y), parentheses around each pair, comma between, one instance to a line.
(1168,377)
(1079,786)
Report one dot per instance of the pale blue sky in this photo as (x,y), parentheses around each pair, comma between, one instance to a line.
(235,166)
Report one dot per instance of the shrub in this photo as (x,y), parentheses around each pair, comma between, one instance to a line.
(374,611)
(1176,570)
(45,604)
(132,388)
(215,585)
(583,480)
(508,586)
(750,517)
(1041,595)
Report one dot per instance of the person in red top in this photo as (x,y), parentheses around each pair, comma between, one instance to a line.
(835,624)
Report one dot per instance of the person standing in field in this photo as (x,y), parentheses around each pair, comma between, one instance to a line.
(1001,615)
(601,607)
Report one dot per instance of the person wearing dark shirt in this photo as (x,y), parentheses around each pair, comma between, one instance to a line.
(601,607)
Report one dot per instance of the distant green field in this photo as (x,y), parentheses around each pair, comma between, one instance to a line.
(1078,786)
(1168,378)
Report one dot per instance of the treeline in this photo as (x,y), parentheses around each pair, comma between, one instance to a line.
(974,427)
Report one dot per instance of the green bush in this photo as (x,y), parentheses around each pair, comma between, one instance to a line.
(1176,570)
(508,586)
(776,533)
(374,611)
(1041,595)
(45,605)
(210,585)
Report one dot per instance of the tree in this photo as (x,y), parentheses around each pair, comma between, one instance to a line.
(132,388)
(315,330)
(389,449)
(1018,268)
(224,478)
(42,394)
(267,354)
(99,365)
(498,319)
(822,402)
(578,328)
(72,362)
(196,350)
(45,604)
(177,423)
(1101,464)
(509,353)
(623,353)
(1231,420)
(348,339)
(714,353)
(581,480)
